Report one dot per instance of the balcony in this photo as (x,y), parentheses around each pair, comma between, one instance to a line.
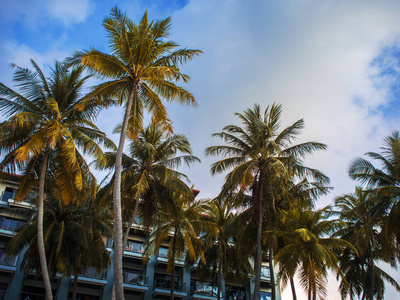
(203,290)
(262,296)
(8,262)
(265,274)
(134,281)
(162,286)
(28,202)
(91,275)
(163,258)
(134,249)
(8,226)
(8,194)
(235,294)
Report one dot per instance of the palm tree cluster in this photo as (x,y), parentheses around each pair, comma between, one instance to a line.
(266,207)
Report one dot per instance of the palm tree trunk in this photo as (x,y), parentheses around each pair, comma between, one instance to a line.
(126,234)
(173,266)
(130,223)
(75,285)
(259,213)
(372,278)
(219,280)
(293,288)
(118,280)
(271,269)
(40,238)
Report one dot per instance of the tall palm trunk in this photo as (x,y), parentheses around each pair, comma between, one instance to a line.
(219,279)
(271,269)
(293,288)
(173,266)
(258,203)
(118,280)
(40,238)
(372,275)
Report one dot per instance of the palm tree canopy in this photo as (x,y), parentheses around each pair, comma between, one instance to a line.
(150,166)
(181,219)
(143,62)
(385,182)
(309,248)
(50,113)
(74,236)
(259,146)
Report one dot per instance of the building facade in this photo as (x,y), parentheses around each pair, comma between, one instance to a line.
(143,279)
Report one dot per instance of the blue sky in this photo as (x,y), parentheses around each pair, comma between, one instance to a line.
(333,63)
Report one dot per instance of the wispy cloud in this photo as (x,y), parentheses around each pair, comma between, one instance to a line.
(38,13)
(70,12)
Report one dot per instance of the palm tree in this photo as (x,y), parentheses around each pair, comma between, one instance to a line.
(262,159)
(293,196)
(219,250)
(151,164)
(309,249)
(179,223)
(142,69)
(48,119)
(73,236)
(362,230)
(385,182)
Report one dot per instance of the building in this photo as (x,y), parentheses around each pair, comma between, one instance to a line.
(142,280)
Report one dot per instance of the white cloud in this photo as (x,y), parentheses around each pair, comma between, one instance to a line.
(21,54)
(71,11)
(38,12)
(312,56)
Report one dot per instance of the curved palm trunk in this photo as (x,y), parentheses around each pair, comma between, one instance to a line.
(173,266)
(271,269)
(372,278)
(40,238)
(118,280)
(293,288)
(75,285)
(258,192)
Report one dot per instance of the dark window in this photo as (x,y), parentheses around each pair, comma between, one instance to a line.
(8,193)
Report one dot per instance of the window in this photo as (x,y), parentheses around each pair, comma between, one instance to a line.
(265,296)
(8,193)
(265,272)
(135,247)
(163,252)
(7,260)
(134,277)
(10,224)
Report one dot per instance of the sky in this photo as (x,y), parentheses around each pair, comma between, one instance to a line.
(336,64)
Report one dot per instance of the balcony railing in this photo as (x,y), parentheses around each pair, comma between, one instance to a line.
(6,195)
(9,261)
(163,253)
(30,296)
(165,284)
(135,279)
(265,296)
(134,247)
(91,273)
(204,289)
(235,294)
(9,224)
(265,272)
